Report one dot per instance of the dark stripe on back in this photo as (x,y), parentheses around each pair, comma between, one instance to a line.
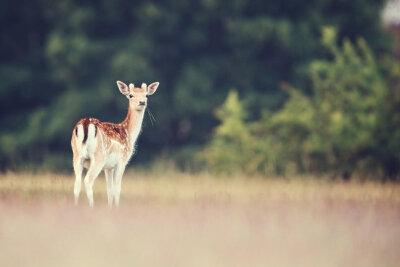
(85,125)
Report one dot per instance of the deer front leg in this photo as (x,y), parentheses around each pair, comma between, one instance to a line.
(110,185)
(119,172)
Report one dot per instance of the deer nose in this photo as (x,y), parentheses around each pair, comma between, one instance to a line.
(142,103)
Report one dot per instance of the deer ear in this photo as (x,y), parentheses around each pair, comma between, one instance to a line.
(123,88)
(151,89)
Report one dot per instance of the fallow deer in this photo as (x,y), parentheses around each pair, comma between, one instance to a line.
(98,145)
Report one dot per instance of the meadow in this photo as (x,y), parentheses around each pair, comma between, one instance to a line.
(180,219)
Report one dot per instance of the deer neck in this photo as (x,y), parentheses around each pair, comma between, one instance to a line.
(133,124)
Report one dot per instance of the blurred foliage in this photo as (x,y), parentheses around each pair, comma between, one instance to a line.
(349,122)
(60,60)
(230,148)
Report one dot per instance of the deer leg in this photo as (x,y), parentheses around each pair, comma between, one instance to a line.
(78,169)
(91,175)
(109,173)
(118,179)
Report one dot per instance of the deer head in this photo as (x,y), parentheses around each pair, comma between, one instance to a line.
(137,96)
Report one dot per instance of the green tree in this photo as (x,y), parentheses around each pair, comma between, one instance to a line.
(60,60)
(228,150)
(346,124)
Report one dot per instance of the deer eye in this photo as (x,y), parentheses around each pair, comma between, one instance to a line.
(130,96)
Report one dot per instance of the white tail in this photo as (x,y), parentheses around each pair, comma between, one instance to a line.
(107,146)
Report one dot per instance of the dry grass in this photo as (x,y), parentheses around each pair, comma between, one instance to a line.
(176,219)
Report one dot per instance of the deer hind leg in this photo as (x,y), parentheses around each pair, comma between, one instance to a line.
(94,170)
(118,179)
(110,185)
(78,169)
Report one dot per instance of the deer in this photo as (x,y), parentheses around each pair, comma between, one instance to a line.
(103,146)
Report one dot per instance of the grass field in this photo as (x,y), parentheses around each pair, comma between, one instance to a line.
(177,219)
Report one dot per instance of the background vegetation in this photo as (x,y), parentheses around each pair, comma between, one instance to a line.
(270,88)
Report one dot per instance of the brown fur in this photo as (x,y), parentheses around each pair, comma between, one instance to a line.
(111,130)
